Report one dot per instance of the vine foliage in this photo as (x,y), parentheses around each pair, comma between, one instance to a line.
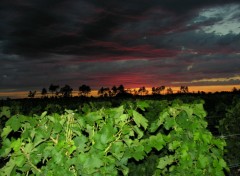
(102,142)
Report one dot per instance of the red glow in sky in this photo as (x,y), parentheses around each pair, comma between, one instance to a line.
(143,43)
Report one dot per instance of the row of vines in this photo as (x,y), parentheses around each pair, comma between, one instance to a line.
(136,138)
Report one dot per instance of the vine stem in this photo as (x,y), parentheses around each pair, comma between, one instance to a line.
(109,146)
(27,156)
(54,140)
(118,136)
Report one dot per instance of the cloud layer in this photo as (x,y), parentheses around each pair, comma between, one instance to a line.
(134,43)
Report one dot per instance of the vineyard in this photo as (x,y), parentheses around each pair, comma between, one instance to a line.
(181,136)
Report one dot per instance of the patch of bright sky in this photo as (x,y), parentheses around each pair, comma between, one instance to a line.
(237,77)
(223,19)
(190,67)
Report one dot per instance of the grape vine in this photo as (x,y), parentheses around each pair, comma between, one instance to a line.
(103,141)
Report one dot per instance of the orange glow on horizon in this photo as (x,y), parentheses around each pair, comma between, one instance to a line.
(195,89)
(213,89)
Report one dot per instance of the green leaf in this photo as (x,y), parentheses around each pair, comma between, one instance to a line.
(16,145)
(127,130)
(157,141)
(196,136)
(93,161)
(184,154)
(86,108)
(81,122)
(61,144)
(199,111)
(222,163)
(80,142)
(36,157)
(117,150)
(8,168)
(68,111)
(5,111)
(58,157)
(174,145)
(41,131)
(51,118)
(6,131)
(173,111)
(6,148)
(97,142)
(20,160)
(125,170)
(123,118)
(164,161)
(147,147)
(138,153)
(155,125)
(219,143)
(14,123)
(116,112)
(138,131)
(207,137)
(140,120)
(183,120)
(43,114)
(57,128)
(92,117)
(187,109)
(203,161)
(142,105)
(128,141)
(28,147)
(71,149)
(169,123)
(47,151)
(107,133)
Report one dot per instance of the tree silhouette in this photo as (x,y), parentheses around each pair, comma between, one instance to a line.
(84,90)
(117,90)
(31,94)
(157,90)
(53,88)
(66,91)
(104,92)
(162,88)
(169,90)
(121,89)
(154,91)
(184,89)
(142,91)
(235,90)
(114,91)
(135,92)
(129,91)
(44,92)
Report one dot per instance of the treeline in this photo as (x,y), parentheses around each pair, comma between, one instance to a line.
(85,90)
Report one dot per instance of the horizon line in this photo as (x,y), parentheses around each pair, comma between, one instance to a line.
(94,92)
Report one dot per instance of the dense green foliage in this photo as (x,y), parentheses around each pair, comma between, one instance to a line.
(229,128)
(111,141)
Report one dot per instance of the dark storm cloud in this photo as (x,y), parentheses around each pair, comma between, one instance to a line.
(136,42)
(44,27)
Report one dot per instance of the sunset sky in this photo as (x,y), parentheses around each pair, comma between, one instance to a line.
(111,42)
